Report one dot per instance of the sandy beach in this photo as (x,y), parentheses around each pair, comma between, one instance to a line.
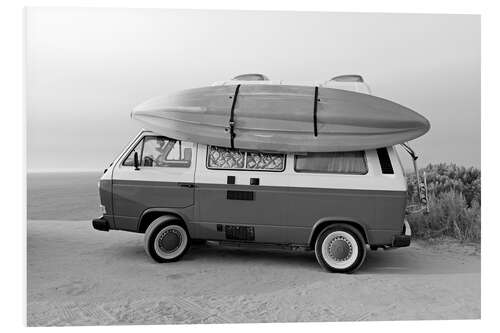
(79,276)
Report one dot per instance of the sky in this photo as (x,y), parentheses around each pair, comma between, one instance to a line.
(87,68)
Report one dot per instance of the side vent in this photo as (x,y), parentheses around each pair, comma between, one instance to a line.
(240,195)
(243,233)
(385,161)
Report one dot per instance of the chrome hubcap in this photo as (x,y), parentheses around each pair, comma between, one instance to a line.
(170,240)
(340,249)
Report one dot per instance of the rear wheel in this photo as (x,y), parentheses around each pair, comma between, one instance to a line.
(340,248)
(166,240)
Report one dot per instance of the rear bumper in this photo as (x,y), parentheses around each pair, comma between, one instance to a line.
(100,224)
(405,238)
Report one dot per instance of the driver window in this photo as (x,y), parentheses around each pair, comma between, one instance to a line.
(160,151)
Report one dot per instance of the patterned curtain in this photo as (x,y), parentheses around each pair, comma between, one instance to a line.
(226,158)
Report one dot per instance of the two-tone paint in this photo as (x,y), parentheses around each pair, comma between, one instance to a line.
(287,207)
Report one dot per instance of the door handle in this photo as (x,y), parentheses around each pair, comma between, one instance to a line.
(190,185)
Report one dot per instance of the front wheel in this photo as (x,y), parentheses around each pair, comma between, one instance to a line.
(166,240)
(340,249)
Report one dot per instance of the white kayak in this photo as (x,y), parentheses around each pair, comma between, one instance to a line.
(281,118)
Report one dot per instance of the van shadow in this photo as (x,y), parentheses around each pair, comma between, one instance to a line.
(224,254)
(220,255)
(397,261)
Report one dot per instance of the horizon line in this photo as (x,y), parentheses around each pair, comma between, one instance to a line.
(66,170)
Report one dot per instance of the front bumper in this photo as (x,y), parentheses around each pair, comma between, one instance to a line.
(100,224)
(405,238)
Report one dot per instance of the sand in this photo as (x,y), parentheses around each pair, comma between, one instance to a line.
(79,276)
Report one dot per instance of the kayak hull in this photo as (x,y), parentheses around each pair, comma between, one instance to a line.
(281,118)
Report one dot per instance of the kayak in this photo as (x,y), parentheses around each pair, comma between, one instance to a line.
(281,118)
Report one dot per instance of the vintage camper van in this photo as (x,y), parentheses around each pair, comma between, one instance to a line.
(335,203)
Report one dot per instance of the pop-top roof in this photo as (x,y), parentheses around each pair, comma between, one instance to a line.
(351,82)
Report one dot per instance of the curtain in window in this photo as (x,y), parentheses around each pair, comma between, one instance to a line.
(264,161)
(225,158)
(335,162)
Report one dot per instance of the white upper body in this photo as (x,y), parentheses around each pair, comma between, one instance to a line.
(288,174)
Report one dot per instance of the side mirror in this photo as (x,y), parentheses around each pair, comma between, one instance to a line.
(136,161)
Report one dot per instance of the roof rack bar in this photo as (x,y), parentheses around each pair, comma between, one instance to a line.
(315,111)
(231,117)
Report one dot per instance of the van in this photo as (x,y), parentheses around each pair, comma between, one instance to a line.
(176,193)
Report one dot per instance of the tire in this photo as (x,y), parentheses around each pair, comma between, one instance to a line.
(340,248)
(166,239)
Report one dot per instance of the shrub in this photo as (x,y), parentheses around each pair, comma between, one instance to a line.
(454,203)
(448,215)
(445,177)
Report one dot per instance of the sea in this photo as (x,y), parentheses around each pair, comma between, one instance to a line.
(62,195)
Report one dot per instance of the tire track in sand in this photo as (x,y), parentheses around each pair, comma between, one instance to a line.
(198,310)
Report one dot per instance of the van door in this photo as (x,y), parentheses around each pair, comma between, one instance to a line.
(241,195)
(163,179)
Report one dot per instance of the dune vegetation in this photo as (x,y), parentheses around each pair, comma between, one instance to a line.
(454,196)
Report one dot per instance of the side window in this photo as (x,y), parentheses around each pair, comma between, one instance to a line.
(226,158)
(351,162)
(129,161)
(159,151)
(264,161)
(385,161)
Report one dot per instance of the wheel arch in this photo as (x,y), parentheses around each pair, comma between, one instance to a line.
(151,214)
(328,221)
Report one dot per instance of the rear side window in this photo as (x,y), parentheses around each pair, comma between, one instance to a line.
(349,162)
(235,159)
(385,161)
